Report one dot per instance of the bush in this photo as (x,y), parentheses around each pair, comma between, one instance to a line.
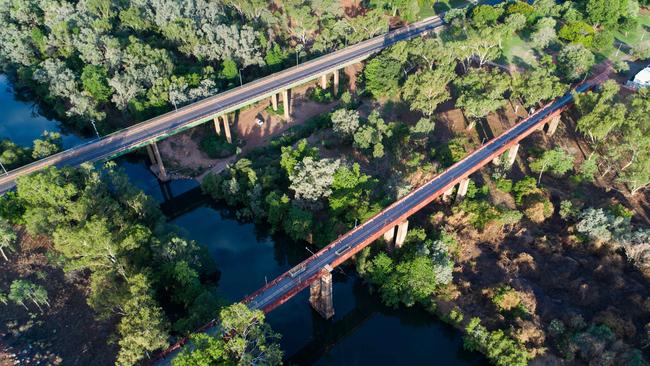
(321,95)
(506,298)
(217,147)
(538,208)
(504,185)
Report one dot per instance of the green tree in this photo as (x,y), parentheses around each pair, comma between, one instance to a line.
(49,144)
(371,135)
(345,123)
(578,32)
(7,238)
(95,81)
(425,90)
(298,223)
(292,156)
(351,192)
(604,12)
(382,75)
(600,112)
(143,327)
(481,92)
(204,350)
(252,341)
(544,33)
(557,161)
(483,15)
(575,61)
(537,86)
(23,290)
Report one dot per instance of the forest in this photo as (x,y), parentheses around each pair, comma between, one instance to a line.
(110,64)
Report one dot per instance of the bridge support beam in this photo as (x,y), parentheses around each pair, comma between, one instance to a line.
(274,101)
(217,126)
(552,125)
(320,294)
(402,229)
(389,236)
(226,128)
(336,82)
(156,161)
(462,189)
(323,81)
(512,155)
(286,104)
(447,193)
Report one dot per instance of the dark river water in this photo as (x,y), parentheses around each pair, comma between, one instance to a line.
(362,331)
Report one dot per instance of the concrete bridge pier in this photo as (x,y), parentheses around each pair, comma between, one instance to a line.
(396,235)
(336,81)
(156,161)
(512,155)
(274,101)
(552,125)
(226,128)
(323,81)
(402,229)
(217,127)
(447,193)
(320,294)
(286,105)
(462,189)
(389,236)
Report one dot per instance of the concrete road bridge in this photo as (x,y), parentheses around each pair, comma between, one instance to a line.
(216,109)
(392,222)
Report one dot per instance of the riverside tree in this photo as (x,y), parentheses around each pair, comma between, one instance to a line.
(250,341)
(7,239)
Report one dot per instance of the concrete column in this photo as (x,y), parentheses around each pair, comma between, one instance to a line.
(320,295)
(152,157)
(552,125)
(336,81)
(389,236)
(462,189)
(162,173)
(274,101)
(447,193)
(402,229)
(286,104)
(323,81)
(512,155)
(226,128)
(217,127)
(496,161)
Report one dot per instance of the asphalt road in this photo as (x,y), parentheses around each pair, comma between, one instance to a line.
(280,288)
(130,138)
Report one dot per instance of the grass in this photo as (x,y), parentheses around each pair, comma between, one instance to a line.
(518,52)
(634,37)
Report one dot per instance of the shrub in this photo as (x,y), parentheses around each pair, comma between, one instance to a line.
(506,298)
(321,95)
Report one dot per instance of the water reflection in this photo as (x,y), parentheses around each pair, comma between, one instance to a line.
(22,123)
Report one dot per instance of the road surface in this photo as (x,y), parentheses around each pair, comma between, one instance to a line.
(157,128)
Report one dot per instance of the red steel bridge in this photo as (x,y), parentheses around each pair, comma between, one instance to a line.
(318,266)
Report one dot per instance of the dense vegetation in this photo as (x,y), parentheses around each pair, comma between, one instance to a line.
(115,62)
(119,62)
(101,226)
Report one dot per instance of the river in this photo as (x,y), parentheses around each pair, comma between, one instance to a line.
(362,331)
